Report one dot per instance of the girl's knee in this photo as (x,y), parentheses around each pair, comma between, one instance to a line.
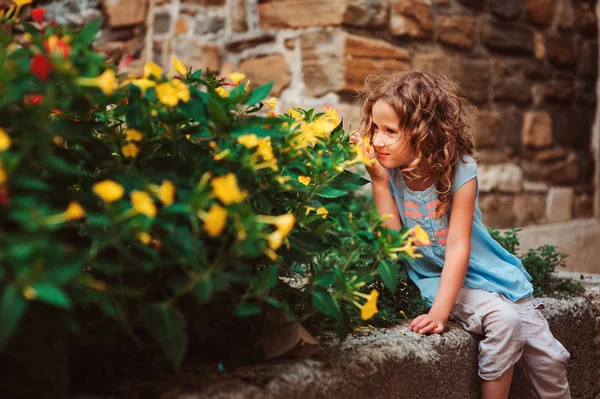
(506,321)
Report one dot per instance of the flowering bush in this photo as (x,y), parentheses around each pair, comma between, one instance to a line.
(134,203)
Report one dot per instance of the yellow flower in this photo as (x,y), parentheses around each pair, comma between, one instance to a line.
(236,77)
(144,237)
(248,140)
(166,193)
(4,140)
(304,180)
(283,224)
(178,66)
(282,179)
(183,93)
(369,308)
(58,140)
(419,236)
(331,115)
(271,103)
(107,82)
(151,69)
(322,211)
(408,248)
(133,135)
(74,211)
(227,190)
(108,190)
(215,220)
(222,92)
(144,84)
(167,94)
(361,156)
(142,203)
(130,150)
(293,113)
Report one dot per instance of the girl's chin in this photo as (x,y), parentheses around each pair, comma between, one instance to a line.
(388,163)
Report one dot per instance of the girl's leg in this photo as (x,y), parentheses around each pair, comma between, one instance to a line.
(497,389)
(485,313)
(544,358)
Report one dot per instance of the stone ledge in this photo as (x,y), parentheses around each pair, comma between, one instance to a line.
(395,362)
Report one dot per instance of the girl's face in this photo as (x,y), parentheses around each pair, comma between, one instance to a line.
(390,143)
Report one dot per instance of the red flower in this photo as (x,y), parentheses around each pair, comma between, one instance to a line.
(35,100)
(55,45)
(38,15)
(40,66)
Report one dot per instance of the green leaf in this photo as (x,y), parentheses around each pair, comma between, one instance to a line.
(326,304)
(88,32)
(247,309)
(52,295)
(266,280)
(329,192)
(260,93)
(12,308)
(343,325)
(324,279)
(167,326)
(308,241)
(389,274)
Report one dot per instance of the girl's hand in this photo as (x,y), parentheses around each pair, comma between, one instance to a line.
(428,323)
(376,171)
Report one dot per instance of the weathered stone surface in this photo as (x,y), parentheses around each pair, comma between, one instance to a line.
(290,44)
(512,124)
(497,210)
(340,62)
(438,61)
(487,129)
(567,172)
(197,55)
(559,204)
(565,14)
(537,70)
(513,88)
(585,93)
(490,156)
(529,209)
(559,90)
(182,26)
(540,11)
(301,13)
(561,50)
(205,2)
(537,129)
(125,12)
(572,127)
(239,21)
(476,78)
(507,37)
(585,19)
(535,187)
(208,23)
(584,207)
(366,13)
(411,18)
(504,178)
(588,58)
(506,9)
(162,24)
(551,154)
(262,70)
(456,30)
(242,44)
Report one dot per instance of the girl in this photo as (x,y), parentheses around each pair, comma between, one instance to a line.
(425,175)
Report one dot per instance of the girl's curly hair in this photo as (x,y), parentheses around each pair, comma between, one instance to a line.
(434,116)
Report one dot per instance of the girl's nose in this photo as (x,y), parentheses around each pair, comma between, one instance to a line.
(378,140)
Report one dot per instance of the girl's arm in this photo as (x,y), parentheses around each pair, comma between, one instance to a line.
(386,204)
(458,247)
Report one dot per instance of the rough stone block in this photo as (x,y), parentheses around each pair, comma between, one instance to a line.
(585,92)
(125,12)
(537,129)
(566,172)
(585,19)
(561,50)
(262,70)
(559,90)
(584,207)
(497,210)
(529,209)
(551,154)
(204,2)
(239,21)
(438,61)
(512,125)
(162,23)
(238,45)
(456,30)
(508,37)
(340,62)
(572,127)
(535,187)
(540,11)
(564,14)
(476,78)
(559,205)
(588,58)
(504,177)
(366,13)
(277,14)
(506,9)
(411,18)
(514,88)
(540,51)
(197,55)
(487,129)
(208,23)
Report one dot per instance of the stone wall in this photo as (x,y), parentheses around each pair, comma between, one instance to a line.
(529,66)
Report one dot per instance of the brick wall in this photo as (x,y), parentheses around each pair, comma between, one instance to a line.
(529,66)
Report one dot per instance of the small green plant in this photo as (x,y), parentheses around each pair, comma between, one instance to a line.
(541,264)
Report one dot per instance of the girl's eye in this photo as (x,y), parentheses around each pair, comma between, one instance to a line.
(392,131)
